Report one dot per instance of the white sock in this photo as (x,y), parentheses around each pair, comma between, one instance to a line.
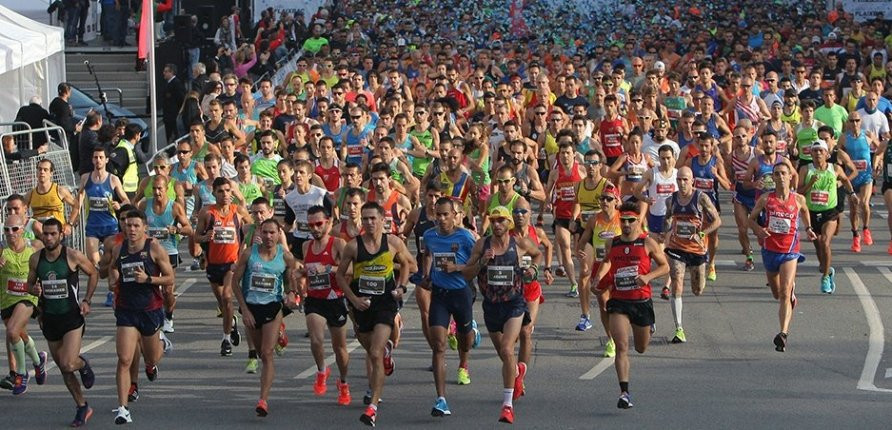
(227,338)
(675,304)
(507,397)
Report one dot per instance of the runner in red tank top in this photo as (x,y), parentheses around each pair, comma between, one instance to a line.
(612,130)
(532,292)
(396,206)
(325,304)
(331,175)
(562,185)
(627,271)
(779,236)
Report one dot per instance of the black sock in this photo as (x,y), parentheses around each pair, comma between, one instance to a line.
(168,315)
(252,353)
(854,233)
(624,387)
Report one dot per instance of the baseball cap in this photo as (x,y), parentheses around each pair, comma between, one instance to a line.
(503,213)
(816,39)
(820,144)
(660,65)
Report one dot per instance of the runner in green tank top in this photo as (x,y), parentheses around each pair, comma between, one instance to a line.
(504,195)
(248,184)
(817,182)
(53,277)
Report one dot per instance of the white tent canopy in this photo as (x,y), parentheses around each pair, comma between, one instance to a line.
(32,62)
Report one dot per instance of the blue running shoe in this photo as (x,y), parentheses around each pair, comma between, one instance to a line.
(441,408)
(109,299)
(826,285)
(832,280)
(584,323)
(476,334)
(625,401)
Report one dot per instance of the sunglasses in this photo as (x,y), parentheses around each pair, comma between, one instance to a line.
(637,100)
(591,162)
(608,198)
(439,113)
(520,211)
(356,117)
(12,228)
(160,167)
(184,151)
(627,220)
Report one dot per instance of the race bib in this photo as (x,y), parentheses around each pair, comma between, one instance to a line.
(665,189)
(263,282)
(441,259)
(612,140)
(302,226)
(626,278)
(98,204)
(741,176)
(224,235)
(781,146)
(500,275)
(861,165)
(421,248)
(354,150)
(685,229)
(806,150)
(779,225)
(600,253)
(704,184)
(820,197)
(55,289)
(586,215)
(17,287)
(160,233)
(373,285)
(279,207)
(128,271)
(567,193)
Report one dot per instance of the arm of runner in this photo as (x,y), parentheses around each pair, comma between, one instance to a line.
(722,175)
(408,265)
(659,257)
(238,274)
(752,218)
(475,261)
(713,220)
(549,250)
(806,217)
(181,222)
(105,259)
(292,287)
(341,275)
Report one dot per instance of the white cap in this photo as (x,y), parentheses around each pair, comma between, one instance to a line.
(815,39)
(660,65)
(820,144)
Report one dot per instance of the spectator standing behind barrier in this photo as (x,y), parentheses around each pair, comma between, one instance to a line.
(89,138)
(174,95)
(34,114)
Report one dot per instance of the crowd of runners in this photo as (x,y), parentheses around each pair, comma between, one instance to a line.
(386,138)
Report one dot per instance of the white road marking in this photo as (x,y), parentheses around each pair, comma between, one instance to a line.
(597,370)
(354,344)
(188,283)
(876,337)
(877,263)
(95,344)
(888,373)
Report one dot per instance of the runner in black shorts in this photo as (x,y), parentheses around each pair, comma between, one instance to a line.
(61,314)
(374,293)
(510,261)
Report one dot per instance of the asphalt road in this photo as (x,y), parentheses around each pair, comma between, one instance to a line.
(835,373)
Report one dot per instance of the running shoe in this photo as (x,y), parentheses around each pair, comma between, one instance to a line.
(369,416)
(780,342)
(252,365)
(388,358)
(82,415)
(451,338)
(477,336)
(343,393)
(262,408)
(87,375)
(653,328)
(195,266)
(584,323)
(40,369)
(282,341)
(856,244)
(109,299)
(573,293)
(832,280)
(889,249)
(610,349)
(168,326)
(321,384)
(625,401)
(123,415)
(367,398)
(464,377)
(226,348)
(868,238)
(166,344)
(234,334)
(133,394)
(518,380)
(8,382)
(560,271)
(664,293)
(749,265)
(21,384)
(679,336)
(507,415)
(441,408)
(540,221)
(219,312)
(711,275)
(152,373)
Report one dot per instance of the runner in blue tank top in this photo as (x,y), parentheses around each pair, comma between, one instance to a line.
(103,194)
(709,173)
(857,143)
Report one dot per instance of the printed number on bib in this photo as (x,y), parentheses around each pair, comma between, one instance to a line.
(567,193)
(500,275)
(263,282)
(441,259)
(224,235)
(685,229)
(160,233)
(600,253)
(55,289)
(665,189)
(17,287)
(777,224)
(98,204)
(626,278)
(128,271)
(820,197)
(373,285)
(321,277)
(704,184)
(860,165)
